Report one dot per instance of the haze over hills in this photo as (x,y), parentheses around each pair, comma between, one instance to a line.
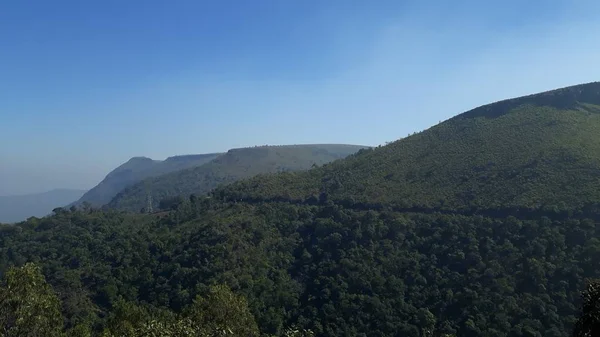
(20,207)
(393,241)
(234,165)
(137,169)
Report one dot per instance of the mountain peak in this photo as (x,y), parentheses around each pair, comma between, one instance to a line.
(139,159)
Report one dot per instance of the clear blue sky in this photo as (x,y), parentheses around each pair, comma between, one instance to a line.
(86,85)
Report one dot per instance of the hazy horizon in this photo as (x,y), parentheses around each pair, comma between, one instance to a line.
(85,87)
(45,192)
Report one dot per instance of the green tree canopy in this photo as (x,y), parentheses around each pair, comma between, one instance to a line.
(28,305)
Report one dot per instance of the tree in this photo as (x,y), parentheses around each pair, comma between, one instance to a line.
(86,206)
(588,323)
(171,203)
(222,310)
(28,305)
(58,210)
(81,330)
(221,313)
(426,321)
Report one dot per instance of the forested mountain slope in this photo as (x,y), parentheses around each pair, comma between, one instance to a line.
(539,151)
(341,250)
(234,165)
(136,169)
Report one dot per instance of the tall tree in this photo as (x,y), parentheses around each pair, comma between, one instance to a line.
(28,305)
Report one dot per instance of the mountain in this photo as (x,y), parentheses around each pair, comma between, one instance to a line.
(137,169)
(483,225)
(234,165)
(20,207)
(539,151)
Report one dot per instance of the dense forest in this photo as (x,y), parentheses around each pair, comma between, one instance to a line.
(485,225)
(327,268)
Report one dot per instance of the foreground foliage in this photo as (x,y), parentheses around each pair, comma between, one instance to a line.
(29,307)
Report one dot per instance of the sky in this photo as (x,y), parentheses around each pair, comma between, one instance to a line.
(85,85)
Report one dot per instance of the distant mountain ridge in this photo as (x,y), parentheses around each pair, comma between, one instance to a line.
(234,165)
(137,169)
(20,207)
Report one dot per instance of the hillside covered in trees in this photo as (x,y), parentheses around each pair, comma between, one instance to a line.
(484,225)
(234,165)
(539,151)
(137,169)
